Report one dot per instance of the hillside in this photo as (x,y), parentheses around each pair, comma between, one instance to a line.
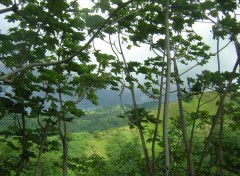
(207,103)
(107,117)
(98,119)
(99,140)
(103,143)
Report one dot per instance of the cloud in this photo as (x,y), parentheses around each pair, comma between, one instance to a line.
(228,55)
(85,4)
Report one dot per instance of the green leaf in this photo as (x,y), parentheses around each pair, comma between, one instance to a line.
(110,30)
(132,66)
(103,59)
(143,70)
(92,97)
(178,23)
(94,21)
(104,5)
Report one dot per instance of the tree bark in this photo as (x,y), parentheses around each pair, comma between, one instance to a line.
(157,125)
(63,136)
(183,123)
(24,154)
(9,9)
(43,140)
(220,146)
(65,150)
(131,87)
(167,95)
(145,151)
(220,142)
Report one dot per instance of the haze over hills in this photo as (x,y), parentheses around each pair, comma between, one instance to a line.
(111,98)
(104,116)
(98,118)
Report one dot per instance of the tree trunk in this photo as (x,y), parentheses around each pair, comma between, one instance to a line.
(220,147)
(216,116)
(65,150)
(63,134)
(43,140)
(220,142)
(131,87)
(24,155)
(167,95)
(145,151)
(157,125)
(183,123)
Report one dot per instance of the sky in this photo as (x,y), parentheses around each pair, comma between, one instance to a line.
(228,55)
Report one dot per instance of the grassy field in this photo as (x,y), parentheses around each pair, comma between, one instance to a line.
(97,142)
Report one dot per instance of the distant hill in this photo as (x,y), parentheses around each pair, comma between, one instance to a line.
(111,98)
(106,117)
(98,119)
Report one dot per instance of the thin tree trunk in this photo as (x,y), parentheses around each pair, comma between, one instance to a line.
(43,140)
(220,142)
(65,150)
(24,154)
(63,136)
(218,54)
(183,123)
(147,158)
(192,133)
(63,133)
(131,87)
(214,123)
(220,147)
(167,95)
(194,121)
(218,113)
(157,125)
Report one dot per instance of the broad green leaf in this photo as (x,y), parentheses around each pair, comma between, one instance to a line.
(94,21)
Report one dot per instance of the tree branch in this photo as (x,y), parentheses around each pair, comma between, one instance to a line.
(5,77)
(9,9)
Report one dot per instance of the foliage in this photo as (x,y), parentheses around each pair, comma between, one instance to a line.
(118,144)
(48,66)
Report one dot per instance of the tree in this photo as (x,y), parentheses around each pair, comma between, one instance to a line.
(34,23)
(145,23)
(48,40)
(167,94)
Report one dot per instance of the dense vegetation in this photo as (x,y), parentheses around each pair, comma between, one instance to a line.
(103,119)
(51,59)
(117,151)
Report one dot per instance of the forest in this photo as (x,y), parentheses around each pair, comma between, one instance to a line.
(56,55)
